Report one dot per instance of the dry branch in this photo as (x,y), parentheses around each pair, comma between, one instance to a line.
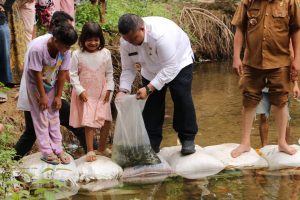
(214,38)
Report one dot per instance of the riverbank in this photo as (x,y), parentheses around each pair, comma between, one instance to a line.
(14,119)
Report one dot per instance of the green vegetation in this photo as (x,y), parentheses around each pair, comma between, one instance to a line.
(16,184)
(86,12)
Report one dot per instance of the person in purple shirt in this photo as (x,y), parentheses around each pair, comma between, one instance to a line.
(46,67)
(28,137)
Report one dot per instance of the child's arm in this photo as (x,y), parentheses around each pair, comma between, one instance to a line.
(43,98)
(294,74)
(61,77)
(74,78)
(109,72)
(296,91)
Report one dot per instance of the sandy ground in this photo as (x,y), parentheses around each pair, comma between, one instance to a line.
(10,116)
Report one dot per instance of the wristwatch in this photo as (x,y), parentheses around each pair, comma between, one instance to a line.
(148,91)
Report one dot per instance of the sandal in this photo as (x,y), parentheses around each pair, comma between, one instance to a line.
(3,97)
(107,152)
(64,158)
(51,159)
(12,85)
(91,156)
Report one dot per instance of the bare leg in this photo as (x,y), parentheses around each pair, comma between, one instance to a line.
(263,130)
(247,121)
(89,136)
(104,132)
(1,128)
(287,136)
(281,124)
(102,13)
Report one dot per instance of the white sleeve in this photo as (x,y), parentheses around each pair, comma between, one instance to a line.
(74,77)
(128,68)
(166,51)
(109,72)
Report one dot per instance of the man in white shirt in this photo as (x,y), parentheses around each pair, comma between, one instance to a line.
(164,52)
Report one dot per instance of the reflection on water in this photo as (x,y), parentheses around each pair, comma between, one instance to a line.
(217,100)
(227,185)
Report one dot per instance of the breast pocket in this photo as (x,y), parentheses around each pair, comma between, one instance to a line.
(253,17)
(280,20)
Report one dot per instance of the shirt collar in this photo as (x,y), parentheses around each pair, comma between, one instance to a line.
(146,33)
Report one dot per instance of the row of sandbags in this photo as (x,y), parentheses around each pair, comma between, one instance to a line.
(204,162)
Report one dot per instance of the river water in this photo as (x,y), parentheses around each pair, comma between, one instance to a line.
(217,100)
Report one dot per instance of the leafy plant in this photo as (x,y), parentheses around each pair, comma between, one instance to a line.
(7,165)
(27,188)
(86,11)
(17,184)
(3,88)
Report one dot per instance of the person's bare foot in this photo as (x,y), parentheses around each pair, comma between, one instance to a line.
(285,148)
(91,156)
(239,150)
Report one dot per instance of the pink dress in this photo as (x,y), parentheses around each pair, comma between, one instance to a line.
(92,80)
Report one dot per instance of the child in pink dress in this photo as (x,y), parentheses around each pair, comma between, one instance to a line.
(91,76)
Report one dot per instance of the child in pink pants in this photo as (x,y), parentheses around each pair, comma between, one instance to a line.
(46,66)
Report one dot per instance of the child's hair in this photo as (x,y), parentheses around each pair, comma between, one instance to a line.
(89,30)
(65,34)
(58,18)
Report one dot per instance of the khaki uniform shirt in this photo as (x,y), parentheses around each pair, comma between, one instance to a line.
(267,27)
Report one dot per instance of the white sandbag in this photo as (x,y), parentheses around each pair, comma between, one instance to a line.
(280,160)
(102,168)
(167,152)
(248,160)
(145,179)
(162,168)
(99,185)
(34,165)
(194,166)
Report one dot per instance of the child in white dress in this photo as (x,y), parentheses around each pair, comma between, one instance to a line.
(91,76)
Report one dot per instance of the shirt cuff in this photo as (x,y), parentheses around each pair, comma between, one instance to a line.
(110,87)
(126,86)
(79,90)
(158,85)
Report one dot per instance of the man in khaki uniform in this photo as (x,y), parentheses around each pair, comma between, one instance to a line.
(267,27)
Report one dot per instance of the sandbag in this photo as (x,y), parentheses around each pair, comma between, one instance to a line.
(280,160)
(102,168)
(99,185)
(145,179)
(34,165)
(167,152)
(248,160)
(131,144)
(162,168)
(194,166)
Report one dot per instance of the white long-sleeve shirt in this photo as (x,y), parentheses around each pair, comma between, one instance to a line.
(92,60)
(166,49)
